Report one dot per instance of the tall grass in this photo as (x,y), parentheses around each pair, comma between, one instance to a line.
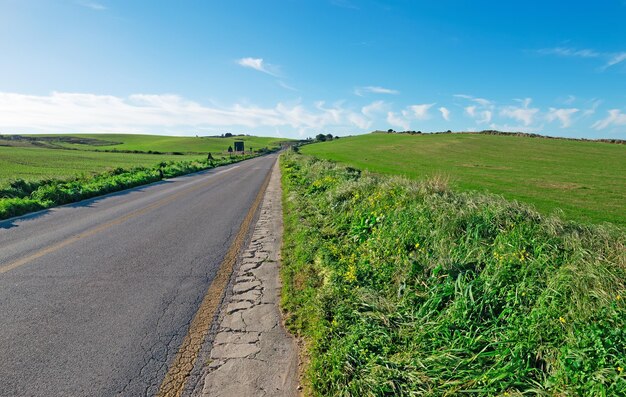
(411,289)
(22,197)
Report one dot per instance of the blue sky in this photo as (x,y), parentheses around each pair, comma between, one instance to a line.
(299,67)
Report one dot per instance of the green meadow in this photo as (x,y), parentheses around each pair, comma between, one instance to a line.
(584,180)
(32,164)
(42,171)
(160,143)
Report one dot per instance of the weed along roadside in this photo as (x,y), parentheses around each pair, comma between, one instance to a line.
(409,288)
(22,197)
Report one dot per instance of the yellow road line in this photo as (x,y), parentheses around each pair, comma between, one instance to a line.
(98,229)
(178,373)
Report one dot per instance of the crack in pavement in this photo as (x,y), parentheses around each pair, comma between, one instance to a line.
(251,353)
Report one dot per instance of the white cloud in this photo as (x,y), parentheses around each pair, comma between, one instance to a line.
(445,113)
(563,115)
(257,64)
(481,101)
(419,112)
(286,86)
(523,114)
(612,58)
(570,52)
(515,128)
(483,116)
(79,112)
(615,117)
(595,103)
(615,59)
(360,91)
(373,108)
(482,112)
(92,4)
(398,120)
(569,100)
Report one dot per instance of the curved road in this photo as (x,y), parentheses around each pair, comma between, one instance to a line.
(96,297)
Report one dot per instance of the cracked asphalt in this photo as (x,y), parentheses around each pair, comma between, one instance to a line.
(96,297)
(252,355)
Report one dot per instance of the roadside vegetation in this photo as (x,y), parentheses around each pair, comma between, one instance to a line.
(584,180)
(42,171)
(36,164)
(21,196)
(410,288)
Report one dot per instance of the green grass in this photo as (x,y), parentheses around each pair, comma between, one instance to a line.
(21,196)
(39,171)
(586,180)
(406,288)
(159,143)
(34,164)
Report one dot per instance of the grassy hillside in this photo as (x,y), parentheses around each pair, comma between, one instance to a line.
(408,288)
(161,143)
(33,164)
(587,180)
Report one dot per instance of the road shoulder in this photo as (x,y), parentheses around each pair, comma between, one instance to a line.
(252,354)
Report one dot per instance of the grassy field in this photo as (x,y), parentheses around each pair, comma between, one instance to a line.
(32,164)
(406,288)
(161,143)
(42,171)
(586,180)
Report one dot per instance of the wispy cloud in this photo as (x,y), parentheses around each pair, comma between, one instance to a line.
(258,64)
(360,91)
(410,113)
(91,4)
(445,113)
(374,108)
(524,113)
(570,52)
(420,112)
(482,112)
(591,110)
(615,118)
(80,112)
(610,58)
(397,120)
(480,101)
(481,116)
(563,115)
(286,86)
(615,59)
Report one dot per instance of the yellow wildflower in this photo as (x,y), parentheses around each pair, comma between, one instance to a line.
(620,369)
(618,297)
(562,320)
(350,275)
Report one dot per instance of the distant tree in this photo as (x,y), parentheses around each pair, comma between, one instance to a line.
(228,135)
(320,137)
(230,149)
(390,131)
(329,137)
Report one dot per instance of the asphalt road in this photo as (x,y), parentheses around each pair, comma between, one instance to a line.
(96,297)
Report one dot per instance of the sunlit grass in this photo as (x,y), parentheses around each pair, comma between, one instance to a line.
(410,288)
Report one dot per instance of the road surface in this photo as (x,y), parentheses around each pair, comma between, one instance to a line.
(96,297)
